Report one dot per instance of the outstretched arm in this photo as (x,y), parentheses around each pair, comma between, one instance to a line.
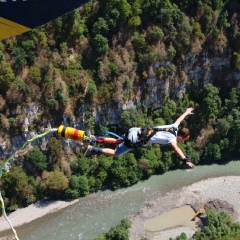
(187,112)
(181,154)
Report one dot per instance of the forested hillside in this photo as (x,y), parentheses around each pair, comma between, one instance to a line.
(114,64)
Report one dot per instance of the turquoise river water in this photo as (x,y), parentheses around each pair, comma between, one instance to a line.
(98,212)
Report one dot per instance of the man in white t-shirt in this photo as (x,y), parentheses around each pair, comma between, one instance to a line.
(167,134)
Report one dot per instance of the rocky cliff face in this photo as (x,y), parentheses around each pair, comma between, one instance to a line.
(194,71)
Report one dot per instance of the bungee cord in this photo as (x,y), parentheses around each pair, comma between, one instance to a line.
(5,216)
(68,133)
(7,161)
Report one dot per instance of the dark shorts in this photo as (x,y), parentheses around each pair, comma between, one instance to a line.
(122,149)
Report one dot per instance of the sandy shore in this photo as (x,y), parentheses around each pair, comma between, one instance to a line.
(218,193)
(32,212)
(221,194)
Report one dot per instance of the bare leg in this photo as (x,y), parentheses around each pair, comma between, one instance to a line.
(96,150)
(108,151)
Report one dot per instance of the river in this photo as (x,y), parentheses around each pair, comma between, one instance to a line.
(98,212)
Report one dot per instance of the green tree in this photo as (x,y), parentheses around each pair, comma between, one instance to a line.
(222,127)
(37,160)
(103,171)
(100,26)
(233,101)
(78,186)
(74,183)
(83,186)
(155,34)
(223,20)
(224,145)
(52,104)
(171,52)
(83,165)
(114,69)
(55,152)
(235,140)
(15,185)
(62,98)
(72,193)
(129,118)
(2,58)
(123,172)
(29,48)
(206,20)
(42,39)
(113,17)
(105,92)
(6,77)
(21,86)
(182,43)
(168,111)
(149,56)
(91,90)
(100,44)
(236,42)
(159,121)
(79,29)
(4,122)
(197,30)
(74,79)
(212,152)
(236,61)
(135,19)
(123,7)
(170,69)
(193,150)
(149,159)
(211,102)
(73,190)
(35,74)
(16,180)
(219,225)
(63,46)
(215,222)
(167,160)
(19,56)
(139,42)
(183,236)
(120,232)
(55,184)
(89,123)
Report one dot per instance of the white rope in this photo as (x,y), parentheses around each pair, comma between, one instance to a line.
(6,161)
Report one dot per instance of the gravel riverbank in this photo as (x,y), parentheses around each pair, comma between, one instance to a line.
(221,193)
(33,212)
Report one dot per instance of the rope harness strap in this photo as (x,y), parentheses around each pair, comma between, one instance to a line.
(145,135)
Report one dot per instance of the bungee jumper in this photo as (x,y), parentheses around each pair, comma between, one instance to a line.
(135,137)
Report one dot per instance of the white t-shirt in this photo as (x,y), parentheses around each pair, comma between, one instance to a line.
(161,137)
